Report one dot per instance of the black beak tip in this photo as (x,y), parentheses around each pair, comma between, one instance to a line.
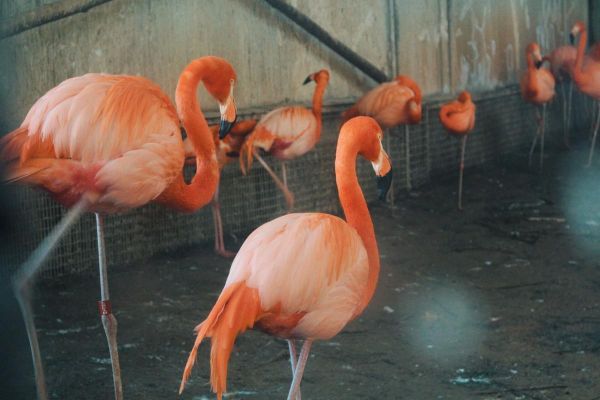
(224,128)
(572,39)
(383,185)
(307,80)
(538,64)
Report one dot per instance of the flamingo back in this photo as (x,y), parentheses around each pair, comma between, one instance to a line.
(387,104)
(309,264)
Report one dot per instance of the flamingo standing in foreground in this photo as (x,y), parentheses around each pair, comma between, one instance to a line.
(537,87)
(458,117)
(587,77)
(228,151)
(110,143)
(287,133)
(394,103)
(302,276)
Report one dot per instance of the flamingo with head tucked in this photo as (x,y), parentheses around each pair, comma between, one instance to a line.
(537,87)
(228,151)
(110,143)
(394,103)
(302,276)
(458,117)
(586,76)
(287,133)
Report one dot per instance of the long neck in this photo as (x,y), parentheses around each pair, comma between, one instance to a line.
(355,208)
(580,52)
(317,102)
(200,191)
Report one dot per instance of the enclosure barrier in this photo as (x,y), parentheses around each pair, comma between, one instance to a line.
(505,125)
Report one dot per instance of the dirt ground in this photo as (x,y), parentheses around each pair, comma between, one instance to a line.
(500,301)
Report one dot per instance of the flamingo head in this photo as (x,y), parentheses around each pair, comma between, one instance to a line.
(533,50)
(321,76)
(219,82)
(464,97)
(576,30)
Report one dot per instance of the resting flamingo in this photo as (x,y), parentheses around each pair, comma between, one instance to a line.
(458,117)
(287,133)
(394,103)
(537,87)
(228,151)
(302,276)
(587,77)
(110,143)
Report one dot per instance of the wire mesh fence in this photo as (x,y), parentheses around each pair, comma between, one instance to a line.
(504,124)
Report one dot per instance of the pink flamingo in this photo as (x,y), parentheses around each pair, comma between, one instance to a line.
(287,133)
(394,103)
(228,151)
(302,276)
(110,143)
(587,77)
(537,87)
(458,117)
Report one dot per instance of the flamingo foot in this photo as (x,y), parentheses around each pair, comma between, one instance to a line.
(289,199)
(109,322)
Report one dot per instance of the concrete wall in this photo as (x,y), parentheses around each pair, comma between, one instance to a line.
(446,45)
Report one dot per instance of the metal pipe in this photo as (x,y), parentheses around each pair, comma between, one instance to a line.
(324,37)
(45,14)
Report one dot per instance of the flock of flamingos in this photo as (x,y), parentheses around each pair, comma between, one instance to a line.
(109,143)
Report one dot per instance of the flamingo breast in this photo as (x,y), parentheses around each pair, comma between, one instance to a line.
(309,265)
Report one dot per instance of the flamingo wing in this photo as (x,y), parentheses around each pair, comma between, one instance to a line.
(310,265)
(122,132)
(386,104)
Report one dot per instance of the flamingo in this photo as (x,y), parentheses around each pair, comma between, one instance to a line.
(110,143)
(302,275)
(587,77)
(287,133)
(394,103)
(227,151)
(537,87)
(458,117)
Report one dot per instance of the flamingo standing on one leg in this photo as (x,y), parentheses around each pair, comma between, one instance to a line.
(587,77)
(302,276)
(537,87)
(394,103)
(458,117)
(228,151)
(109,143)
(287,133)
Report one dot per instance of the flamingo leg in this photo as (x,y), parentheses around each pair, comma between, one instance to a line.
(215,206)
(293,361)
(565,106)
(407,154)
(389,151)
(535,138)
(284,173)
(569,107)
(591,156)
(289,197)
(542,137)
(295,387)
(109,322)
(23,282)
(462,167)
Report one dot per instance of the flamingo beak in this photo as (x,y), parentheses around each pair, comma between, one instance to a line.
(383,170)
(308,79)
(538,64)
(228,117)
(572,39)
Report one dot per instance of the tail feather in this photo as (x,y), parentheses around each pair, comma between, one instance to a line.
(11,145)
(236,310)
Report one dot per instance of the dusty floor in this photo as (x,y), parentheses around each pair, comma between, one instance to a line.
(501,301)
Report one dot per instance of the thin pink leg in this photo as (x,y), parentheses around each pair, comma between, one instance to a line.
(295,388)
(294,361)
(591,156)
(218,223)
(289,197)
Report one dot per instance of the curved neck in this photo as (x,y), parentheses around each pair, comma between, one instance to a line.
(200,191)
(317,101)
(580,52)
(355,207)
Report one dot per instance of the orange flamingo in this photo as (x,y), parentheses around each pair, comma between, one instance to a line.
(109,143)
(587,77)
(228,151)
(302,276)
(394,103)
(287,133)
(458,117)
(537,87)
